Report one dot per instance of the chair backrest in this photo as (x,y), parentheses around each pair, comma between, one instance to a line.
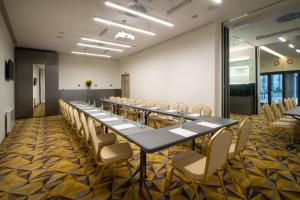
(131,100)
(112,98)
(276,110)
(281,107)
(218,148)
(77,120)
(181,107)
(118,99)
(150,103)
(243,134)
(164,105)
(124,99)
(139,101)
(294,102)
(291,103)
(93,135)
(287,104)
(268,113)
(71,115)
(86,134)
(206,111)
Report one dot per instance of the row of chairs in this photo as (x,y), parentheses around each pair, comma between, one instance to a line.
(277,122)
(103,148)
(106,150)
(158,120)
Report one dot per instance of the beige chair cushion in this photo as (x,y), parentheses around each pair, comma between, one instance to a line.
(282,124)
(116,153)
(190,163)
(288,119)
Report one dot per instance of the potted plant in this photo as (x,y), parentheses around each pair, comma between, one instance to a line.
(88,83)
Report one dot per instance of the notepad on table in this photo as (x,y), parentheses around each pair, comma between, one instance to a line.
(208,124)
(124,126)
(172,110)
(194,115)
(110,119)
(183,132)
(153,108)
(99,114)
(95,110)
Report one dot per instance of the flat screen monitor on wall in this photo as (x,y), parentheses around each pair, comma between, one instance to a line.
(9,70)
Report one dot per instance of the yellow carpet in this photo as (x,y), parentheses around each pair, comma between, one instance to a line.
(39,110)
(38,160)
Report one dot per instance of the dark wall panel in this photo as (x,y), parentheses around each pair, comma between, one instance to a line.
(69,95)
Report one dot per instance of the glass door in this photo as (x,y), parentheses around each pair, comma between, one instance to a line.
(291,85)
(276,88)
(264,95)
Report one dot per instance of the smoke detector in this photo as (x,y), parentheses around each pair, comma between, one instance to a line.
(124,36)
(137,6)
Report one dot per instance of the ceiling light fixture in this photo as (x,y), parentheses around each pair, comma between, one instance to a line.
(108,22)
(282,39)
(105,42)
(298,51)
(235,49)
(99,47)
(292,46)
(240,59)
(140,14)
(266,49)
(217,1)
(90,54)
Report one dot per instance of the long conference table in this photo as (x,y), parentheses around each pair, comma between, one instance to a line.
(153,140)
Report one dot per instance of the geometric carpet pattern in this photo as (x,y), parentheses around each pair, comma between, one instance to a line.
(40,159)
(39,110)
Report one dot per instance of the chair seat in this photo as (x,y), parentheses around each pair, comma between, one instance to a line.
(282,124)
(107,139)
(116,153)
(288,119)
(190,163)
(167,123)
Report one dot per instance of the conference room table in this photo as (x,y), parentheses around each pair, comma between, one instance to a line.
(295,113)
(153,140)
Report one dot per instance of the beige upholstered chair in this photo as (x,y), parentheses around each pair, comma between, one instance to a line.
(294,102)
(112,98)
(207,111)
(196,167)
(139,102)
(157,119)
(182,107)
(287,104)
(105,154)
(241,141)
(276,126)
(278,116)
(78,125)
(291,103)
(281,107)
(150,103)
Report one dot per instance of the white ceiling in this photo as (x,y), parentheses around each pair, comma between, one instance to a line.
(37,23)
(269,29)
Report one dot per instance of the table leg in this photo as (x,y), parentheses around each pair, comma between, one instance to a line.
(143,168)
(193,144)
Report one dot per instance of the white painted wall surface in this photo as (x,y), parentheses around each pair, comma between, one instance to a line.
(183,69)
(35,88)
(75,70)
(6,88)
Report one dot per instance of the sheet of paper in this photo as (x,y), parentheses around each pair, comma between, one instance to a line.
(94,110)
(124,126)
(194,115)
(99,114)
(208,124)
(183,132)
(153,108)
(139,105)
(172,111)
(110,119)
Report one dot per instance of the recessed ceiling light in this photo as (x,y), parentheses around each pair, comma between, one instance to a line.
(266,49)
(292,46)
(90,54)
(282,39)
(140,14)
(240,59)
(217,1)
(105,42)
(108,22)
(99,47)
(298,51)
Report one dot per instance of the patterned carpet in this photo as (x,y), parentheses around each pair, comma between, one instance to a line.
(39,110)
(39,161)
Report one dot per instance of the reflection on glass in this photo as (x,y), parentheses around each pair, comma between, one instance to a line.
(276,88)
(291,86)
(38,90)
(264,89)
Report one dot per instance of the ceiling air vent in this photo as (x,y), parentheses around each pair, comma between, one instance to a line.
(136,5)
(288,17)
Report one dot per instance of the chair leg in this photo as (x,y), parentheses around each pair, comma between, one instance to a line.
(292,131)
(169,182)
(243,164)
(195,190)
(129,167)
(222,184)
(230,173)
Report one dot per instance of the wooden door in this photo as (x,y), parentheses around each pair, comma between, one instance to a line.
(125,85)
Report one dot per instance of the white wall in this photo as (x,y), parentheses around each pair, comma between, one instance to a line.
(36,88)
(6,88)
(267,65)
(75,70)
(183,69)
